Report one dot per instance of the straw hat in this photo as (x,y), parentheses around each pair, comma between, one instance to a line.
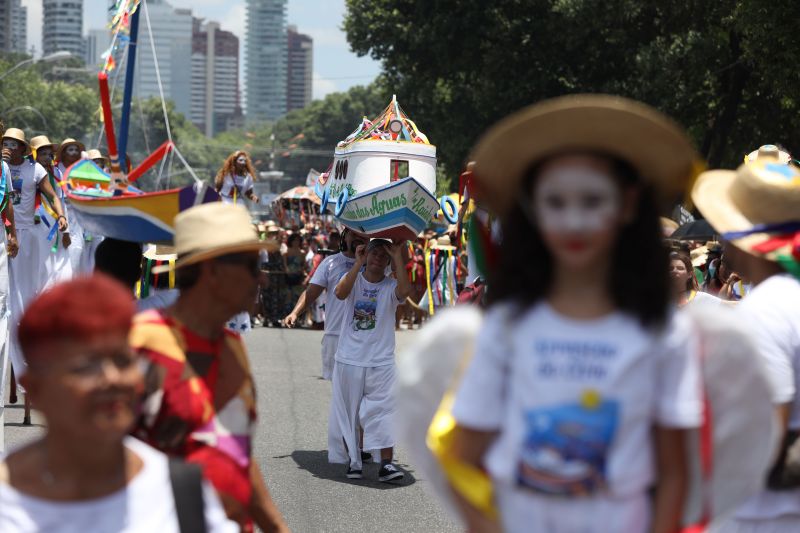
(94,153)
(272,227)
(211,230)
(68,142)
(40,141)
(656,147)
(753,204)
(18,135)
(443,243)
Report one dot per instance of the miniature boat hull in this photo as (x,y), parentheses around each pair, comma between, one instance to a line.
(145,218)
(397,211)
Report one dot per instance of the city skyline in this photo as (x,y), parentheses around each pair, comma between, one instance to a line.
(335,67)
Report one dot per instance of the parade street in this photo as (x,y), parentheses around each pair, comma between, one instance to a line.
(291,443)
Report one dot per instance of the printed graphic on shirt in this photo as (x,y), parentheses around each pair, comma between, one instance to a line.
(565,447)
(365,310)
(16,187)
(574,360)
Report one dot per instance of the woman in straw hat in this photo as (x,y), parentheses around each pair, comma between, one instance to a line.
(583,383)
(27,271)
(757,210)
(56,250)
(84,245)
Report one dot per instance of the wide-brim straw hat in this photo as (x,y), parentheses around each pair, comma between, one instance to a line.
(94,153)
(212,230)
(160,252)
(18,135)
(752,205)
(68,142)
(41,141)
(768,150)
(655,146)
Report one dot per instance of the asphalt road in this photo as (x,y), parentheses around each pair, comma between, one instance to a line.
(291,443)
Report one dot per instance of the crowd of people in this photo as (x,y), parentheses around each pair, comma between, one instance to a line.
(605,376)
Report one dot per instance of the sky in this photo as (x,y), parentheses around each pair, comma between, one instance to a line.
(336,68)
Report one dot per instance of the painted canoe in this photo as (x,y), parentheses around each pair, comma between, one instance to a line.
(398,211)
(144,217)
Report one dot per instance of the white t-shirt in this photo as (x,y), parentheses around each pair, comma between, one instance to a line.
(703,298)
(367,334)
(771,314)
(144,506)
(327,275)
(575,401)
(24,180)
(242,184)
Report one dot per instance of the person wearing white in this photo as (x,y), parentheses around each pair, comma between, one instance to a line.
(27,271)
(684,283)
(326,277)
(364,368)
(234,181)
(56,248)
(84,244)
(144,505)
(84,473)
(535,373)
(756,209)
(6,251)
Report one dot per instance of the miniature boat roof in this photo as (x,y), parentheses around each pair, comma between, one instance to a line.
(391,125)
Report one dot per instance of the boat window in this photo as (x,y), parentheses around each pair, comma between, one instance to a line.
(398,169)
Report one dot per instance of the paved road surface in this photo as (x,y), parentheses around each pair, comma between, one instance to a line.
(291,448)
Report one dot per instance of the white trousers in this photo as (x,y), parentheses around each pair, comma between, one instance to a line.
(329,345)
(27,277)
(58,264)
(361,396)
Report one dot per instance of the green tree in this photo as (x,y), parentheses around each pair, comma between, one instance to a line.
(32,101)
(725,70)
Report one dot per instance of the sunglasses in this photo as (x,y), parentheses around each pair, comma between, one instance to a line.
(251,262)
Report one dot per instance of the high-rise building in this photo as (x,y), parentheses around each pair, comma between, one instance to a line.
(62,27)
(13,26)
(95,45)
(172,36)
(215,77)
(299,77)
(266,59)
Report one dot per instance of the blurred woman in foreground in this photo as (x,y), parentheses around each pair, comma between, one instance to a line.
(85,473)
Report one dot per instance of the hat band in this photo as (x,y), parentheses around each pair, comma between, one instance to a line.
(781,227)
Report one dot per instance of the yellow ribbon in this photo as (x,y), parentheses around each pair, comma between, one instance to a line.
(472,483)
(171,273)
(431,310)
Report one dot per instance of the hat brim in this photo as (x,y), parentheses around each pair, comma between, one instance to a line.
(199,257)
(649,141)
(712,197)
(28,150)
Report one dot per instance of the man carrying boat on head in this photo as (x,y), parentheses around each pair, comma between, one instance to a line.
(327,275)
(235,179)
(56,251)
(27,272)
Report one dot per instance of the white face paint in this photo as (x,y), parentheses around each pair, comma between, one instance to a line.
(10,144)
(576,199)
(241,160)
(44,156)
(72,150)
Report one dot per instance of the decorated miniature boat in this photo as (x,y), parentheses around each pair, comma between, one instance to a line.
(383,179)
(128,214)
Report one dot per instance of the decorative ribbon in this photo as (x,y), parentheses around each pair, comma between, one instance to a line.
(781,228)
(428,278)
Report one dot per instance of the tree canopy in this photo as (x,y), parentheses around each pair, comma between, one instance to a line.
(724,70)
